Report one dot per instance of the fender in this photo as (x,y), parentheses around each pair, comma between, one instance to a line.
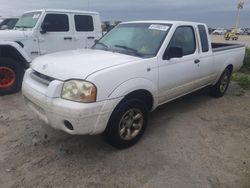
(18,49)
(225,65)
(236,62)
(135,84)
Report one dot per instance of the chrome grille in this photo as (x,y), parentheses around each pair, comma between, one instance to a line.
(42,78)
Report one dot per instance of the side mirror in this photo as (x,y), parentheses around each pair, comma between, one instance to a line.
(44,28)
(173,52)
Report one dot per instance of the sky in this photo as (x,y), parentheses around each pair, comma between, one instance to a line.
(215,13)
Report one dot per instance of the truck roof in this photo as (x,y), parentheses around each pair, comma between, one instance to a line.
(64,11)
(163,22)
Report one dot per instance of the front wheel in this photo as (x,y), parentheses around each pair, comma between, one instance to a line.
(127,124)
(220,88)
(11,76)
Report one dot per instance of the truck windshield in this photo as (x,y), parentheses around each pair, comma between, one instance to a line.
(137,39)
(28,20)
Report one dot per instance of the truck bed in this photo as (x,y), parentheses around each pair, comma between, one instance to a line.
(217,47)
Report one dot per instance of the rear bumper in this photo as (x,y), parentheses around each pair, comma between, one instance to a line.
(85,118)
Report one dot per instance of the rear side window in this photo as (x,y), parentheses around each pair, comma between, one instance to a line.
(57,22)
(184,38)
(204,39)
(84,23)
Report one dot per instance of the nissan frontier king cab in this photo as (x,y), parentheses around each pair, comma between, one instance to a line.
(132,70)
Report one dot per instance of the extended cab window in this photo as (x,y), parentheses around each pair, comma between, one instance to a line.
(204,39)
(184,38)
(84,23)
(56,23)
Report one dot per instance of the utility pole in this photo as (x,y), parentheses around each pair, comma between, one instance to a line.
(239,7)
(233,34)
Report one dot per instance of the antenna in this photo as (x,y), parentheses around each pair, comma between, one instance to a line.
(88,5)
(240,6)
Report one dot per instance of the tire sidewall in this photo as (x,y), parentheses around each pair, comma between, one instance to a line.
(215,90)
(19,72)
(226,72)
(112,131)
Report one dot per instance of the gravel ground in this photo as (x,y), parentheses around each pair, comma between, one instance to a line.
(243,39)
(196,141)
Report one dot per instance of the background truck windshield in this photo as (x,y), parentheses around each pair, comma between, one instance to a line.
(138,39)
(28,20)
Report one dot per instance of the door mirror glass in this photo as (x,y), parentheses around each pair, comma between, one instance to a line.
(173,52)
(44,27)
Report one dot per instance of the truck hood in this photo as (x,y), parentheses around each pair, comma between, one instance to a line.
(78,64)
(13,35)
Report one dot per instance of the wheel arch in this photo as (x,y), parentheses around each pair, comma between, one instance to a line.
(14,51)
(226,66)
(230,67)
(142,95)
(139,88)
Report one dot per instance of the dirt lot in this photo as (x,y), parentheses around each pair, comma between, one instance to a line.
(244,39)
(196,141)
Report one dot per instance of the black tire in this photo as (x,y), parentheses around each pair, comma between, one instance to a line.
(113,131)
(220,88)
(18,72)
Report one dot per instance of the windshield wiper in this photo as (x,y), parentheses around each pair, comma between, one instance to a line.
(22,26)
(129,49)
(102,44)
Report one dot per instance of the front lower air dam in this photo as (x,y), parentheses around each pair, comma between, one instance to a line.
(7,77)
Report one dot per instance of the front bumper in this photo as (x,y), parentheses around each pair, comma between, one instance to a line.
(85,118)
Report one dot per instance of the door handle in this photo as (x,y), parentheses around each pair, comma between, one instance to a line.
(91,37)
(197,61)
(68,38)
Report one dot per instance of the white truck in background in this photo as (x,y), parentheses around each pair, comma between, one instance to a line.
(219,31)
(132,70)
(41,32)
(8,23)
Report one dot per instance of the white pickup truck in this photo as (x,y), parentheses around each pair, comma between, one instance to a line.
(132,70)
(41,32)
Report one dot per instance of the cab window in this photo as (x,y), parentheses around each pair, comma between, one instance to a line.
(56,23)
(184,38)
(203,37)
(84,23)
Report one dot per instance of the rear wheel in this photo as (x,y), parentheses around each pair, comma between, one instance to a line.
(127,124)
(220,88)
(11,76)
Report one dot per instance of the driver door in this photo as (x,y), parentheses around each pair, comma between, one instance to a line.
(178,76)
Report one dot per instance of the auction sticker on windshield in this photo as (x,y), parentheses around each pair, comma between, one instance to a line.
(159,27)
(36,16)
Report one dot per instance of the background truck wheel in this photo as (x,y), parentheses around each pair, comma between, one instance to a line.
(11,76)
(127,124)
(220,88)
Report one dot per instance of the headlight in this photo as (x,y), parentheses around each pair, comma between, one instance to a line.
(79,91)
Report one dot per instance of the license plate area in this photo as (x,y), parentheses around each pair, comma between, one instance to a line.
(38,110)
